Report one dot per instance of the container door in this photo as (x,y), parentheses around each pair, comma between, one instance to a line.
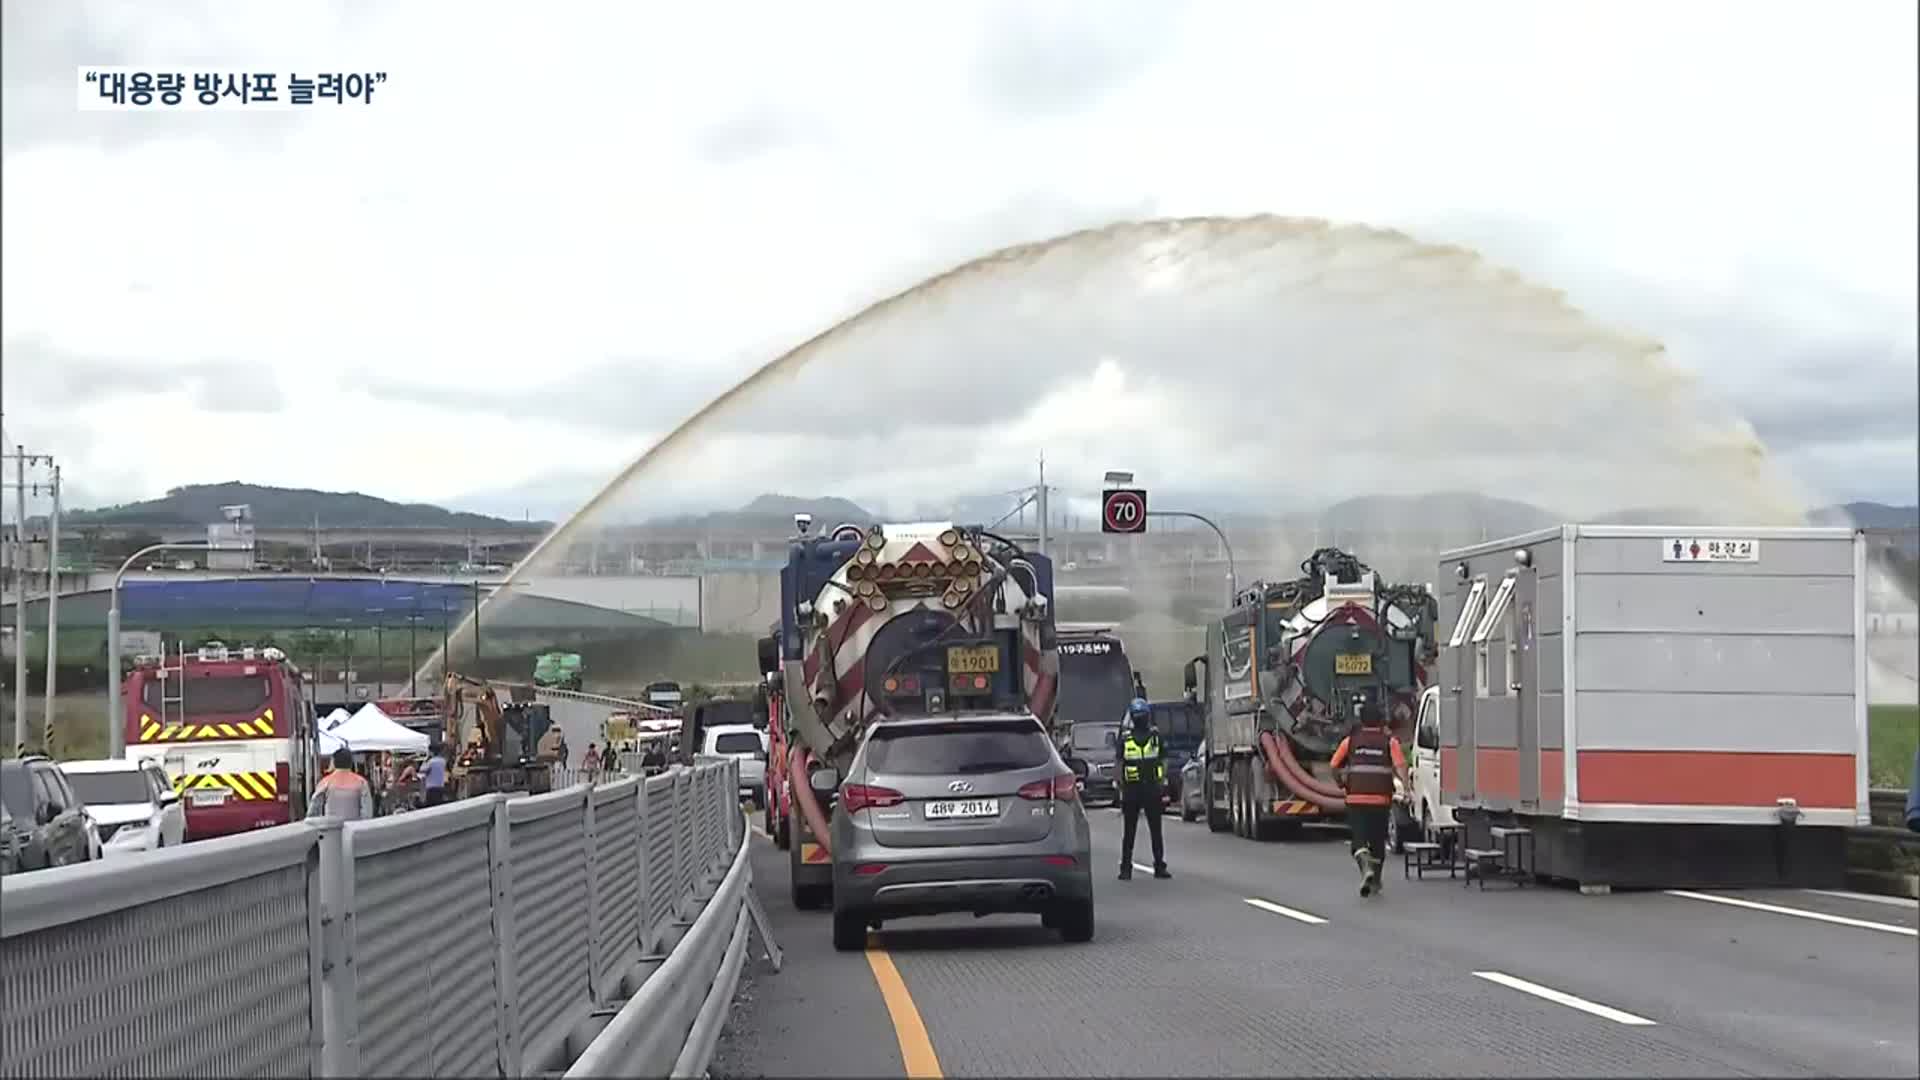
(1524,673)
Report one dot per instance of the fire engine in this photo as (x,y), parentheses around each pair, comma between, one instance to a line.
(232,730)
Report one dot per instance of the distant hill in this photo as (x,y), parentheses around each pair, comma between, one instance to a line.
(775,513)
(280,508)
(1868,515)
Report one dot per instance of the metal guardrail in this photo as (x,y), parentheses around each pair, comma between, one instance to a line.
(490,936)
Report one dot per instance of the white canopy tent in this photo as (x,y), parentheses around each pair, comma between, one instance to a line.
(369,731)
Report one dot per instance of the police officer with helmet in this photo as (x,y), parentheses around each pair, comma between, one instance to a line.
(1142,767)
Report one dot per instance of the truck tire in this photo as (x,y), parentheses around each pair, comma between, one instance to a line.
(1216,818)
(1075,921)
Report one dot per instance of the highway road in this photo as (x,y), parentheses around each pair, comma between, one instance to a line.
(1261,960)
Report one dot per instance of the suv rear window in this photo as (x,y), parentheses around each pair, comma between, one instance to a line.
(958,748)
(736,742)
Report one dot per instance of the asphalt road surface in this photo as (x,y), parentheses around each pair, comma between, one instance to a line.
(1262,960)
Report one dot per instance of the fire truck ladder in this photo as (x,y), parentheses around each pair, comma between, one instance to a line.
(172,678)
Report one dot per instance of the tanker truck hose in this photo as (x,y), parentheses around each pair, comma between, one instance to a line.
(800,783)
(1288,768)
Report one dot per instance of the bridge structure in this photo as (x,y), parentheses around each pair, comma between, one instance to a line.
(607,928)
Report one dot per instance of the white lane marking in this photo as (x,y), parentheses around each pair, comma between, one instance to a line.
(1839,920)
(1894,901)
(1568,1000)
(1268,905)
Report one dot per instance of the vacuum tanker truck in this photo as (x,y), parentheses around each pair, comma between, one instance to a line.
(891,620)
(1283,678)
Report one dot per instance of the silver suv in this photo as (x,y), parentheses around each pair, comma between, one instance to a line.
(949,813)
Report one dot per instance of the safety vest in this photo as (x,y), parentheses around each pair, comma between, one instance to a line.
(1146,754)
(1370,765)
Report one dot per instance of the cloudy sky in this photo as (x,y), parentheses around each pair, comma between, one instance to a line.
(552,237)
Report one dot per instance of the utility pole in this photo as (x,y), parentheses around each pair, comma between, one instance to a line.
(1040,502)
(53,606)
(20,599)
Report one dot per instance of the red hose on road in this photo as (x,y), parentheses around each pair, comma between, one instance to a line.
(1291,773)
(800,784)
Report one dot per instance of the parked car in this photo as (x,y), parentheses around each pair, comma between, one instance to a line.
(132,803)
(1193,789)
(947,814)
(749,744)
(48,824)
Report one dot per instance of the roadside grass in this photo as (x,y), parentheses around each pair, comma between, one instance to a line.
(1893,734)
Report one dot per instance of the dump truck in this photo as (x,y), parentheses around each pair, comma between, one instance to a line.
(557,671)
(1282,681)
(899,620)
(1658,706)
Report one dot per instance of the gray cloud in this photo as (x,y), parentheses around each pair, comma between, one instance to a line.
(50,377)
(1038,58)
(754,131)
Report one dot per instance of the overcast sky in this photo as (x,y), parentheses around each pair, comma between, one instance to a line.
(559,230)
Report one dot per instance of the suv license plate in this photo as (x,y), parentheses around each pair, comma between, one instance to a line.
(963,808)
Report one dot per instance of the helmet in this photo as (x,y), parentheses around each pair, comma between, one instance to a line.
(1139,707)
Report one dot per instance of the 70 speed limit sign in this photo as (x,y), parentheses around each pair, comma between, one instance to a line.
(1123,510)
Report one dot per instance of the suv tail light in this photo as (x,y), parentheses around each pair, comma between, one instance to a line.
(857,797)
(1063,787)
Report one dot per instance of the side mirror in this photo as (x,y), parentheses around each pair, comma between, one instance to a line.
(168,797)
(1189,680)
(46,813)
(825,778)
(1077,766)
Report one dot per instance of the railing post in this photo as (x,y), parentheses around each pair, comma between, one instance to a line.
(340,1005)
(595,945)
(683,821)
(646,869)
(506,984)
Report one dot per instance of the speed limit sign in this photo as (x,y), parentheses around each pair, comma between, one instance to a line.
(1123,510)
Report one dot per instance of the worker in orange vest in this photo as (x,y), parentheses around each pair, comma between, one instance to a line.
(1367,762)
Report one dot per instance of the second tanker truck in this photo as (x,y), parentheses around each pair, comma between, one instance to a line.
(1283,678)
(895,620)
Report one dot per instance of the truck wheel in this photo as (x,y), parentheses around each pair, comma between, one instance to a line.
(1216,818)
(1186,812)
(1075,921)
(1396,835)
(849,931)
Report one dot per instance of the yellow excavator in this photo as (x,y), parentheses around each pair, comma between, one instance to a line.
(497,753)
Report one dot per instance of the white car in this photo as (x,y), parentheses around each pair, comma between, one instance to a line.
(749,744)
(132,803)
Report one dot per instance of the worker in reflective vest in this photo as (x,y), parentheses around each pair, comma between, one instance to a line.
(1142,768)
(1367,762)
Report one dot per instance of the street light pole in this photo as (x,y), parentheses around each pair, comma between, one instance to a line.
(116,723)
(1233,579)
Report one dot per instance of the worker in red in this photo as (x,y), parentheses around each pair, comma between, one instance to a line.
(342,793)
(1367,762)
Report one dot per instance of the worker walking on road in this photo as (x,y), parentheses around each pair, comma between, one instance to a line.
(1367,762)
(342,793)
(1143,770)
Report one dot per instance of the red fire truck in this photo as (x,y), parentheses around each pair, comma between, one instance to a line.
(233,731)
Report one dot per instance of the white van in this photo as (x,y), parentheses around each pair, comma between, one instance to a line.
(749,744)
(1423,803)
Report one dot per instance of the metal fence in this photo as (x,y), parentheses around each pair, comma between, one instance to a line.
(491,936)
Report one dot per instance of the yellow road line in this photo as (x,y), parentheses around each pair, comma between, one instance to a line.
(916,1050)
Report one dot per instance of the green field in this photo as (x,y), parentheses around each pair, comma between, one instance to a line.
(1893,733)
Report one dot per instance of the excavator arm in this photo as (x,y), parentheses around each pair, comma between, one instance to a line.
(462,689)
